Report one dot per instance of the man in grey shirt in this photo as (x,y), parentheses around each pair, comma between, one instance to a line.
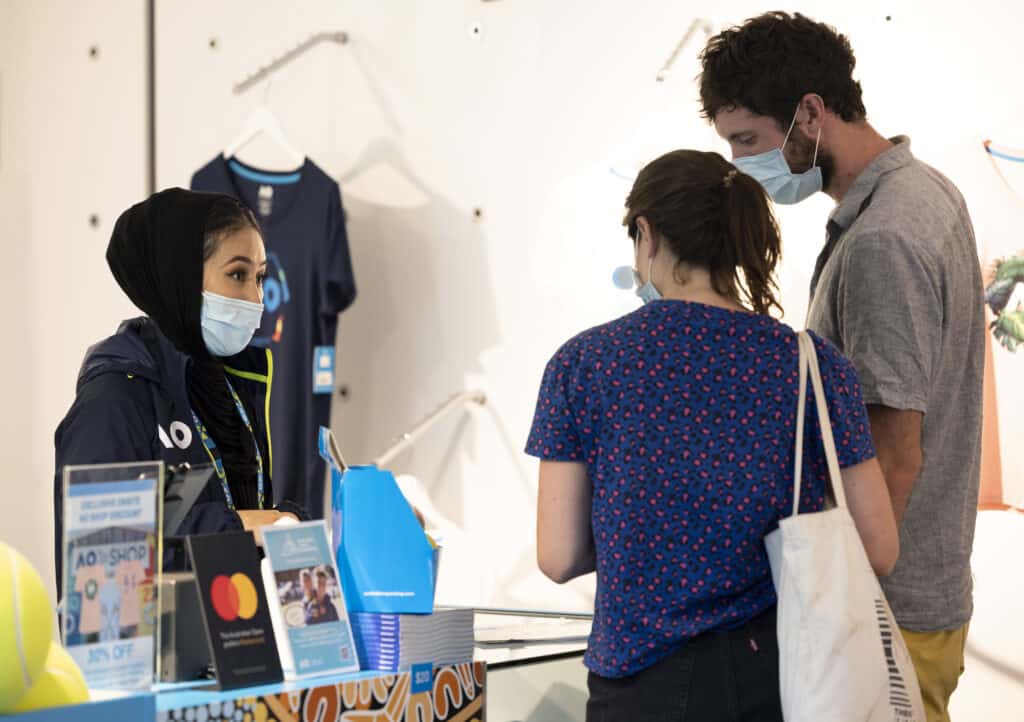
(897,288)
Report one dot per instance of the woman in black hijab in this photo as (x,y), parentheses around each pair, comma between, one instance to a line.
(180,384)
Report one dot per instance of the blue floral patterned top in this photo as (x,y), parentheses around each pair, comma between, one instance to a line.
(685,415)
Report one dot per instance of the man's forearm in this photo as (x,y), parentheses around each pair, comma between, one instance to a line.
(901,484)
(897,437)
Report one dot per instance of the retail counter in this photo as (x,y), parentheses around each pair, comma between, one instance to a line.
(527,666)
(535,669)
(452,693)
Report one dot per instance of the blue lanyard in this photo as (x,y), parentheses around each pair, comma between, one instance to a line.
(218,462)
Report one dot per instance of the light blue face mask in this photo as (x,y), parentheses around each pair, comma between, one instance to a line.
(626,277)
(646,292)
(228,323)
(772,171)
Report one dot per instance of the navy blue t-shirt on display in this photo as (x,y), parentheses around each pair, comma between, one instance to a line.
(685,417)
(309,282)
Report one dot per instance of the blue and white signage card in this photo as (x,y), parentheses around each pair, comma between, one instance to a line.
(307,604)
(111,539)
(323,370)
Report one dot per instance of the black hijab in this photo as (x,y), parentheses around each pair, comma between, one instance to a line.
(156,256)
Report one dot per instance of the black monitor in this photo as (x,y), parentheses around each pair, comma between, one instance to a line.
(183,485)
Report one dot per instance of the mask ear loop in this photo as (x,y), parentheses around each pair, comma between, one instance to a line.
(650,265)
(817,142)
(650,273)
(636,251)
(791,126)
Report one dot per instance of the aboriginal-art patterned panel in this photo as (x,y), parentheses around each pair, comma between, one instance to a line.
(454,694)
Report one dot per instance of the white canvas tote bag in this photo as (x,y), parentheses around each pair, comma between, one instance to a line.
(841,656)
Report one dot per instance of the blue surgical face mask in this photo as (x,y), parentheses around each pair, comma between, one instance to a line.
(646,292)
(772,171)
(228,323)
(625,277)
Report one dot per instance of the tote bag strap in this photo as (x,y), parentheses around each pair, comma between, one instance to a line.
(809,368)
(801,412)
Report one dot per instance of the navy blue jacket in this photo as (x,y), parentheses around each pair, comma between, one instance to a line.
(132,404)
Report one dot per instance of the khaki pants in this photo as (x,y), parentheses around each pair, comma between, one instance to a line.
(939,662)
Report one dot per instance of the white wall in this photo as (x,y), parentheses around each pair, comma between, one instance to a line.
(71,146)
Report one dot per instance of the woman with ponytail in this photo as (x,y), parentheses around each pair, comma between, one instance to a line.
(666,439)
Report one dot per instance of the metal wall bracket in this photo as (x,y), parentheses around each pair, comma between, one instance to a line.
(341,38)
(702,24)
(409,438)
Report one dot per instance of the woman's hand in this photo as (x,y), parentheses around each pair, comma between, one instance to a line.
(253,519)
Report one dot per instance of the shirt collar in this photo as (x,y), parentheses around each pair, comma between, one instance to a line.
(896,157)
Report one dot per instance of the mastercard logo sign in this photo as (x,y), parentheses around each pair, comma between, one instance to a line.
(234,597)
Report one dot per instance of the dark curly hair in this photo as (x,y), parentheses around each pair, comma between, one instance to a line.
(770,62)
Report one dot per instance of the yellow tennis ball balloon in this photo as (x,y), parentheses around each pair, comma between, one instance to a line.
(26,626)
(61,683)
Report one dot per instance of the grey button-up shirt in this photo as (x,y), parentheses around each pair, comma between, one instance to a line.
(898,289)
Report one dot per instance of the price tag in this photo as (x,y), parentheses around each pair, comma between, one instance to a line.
(323,370)
(422,678)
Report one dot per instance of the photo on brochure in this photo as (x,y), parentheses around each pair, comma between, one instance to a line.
(309,596)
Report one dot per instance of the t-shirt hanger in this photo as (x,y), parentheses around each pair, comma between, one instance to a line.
(262,121)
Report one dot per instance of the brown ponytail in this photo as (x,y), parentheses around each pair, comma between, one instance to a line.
(754,236)
(712,217)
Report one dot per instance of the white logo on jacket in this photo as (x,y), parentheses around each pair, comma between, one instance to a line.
(180,436)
